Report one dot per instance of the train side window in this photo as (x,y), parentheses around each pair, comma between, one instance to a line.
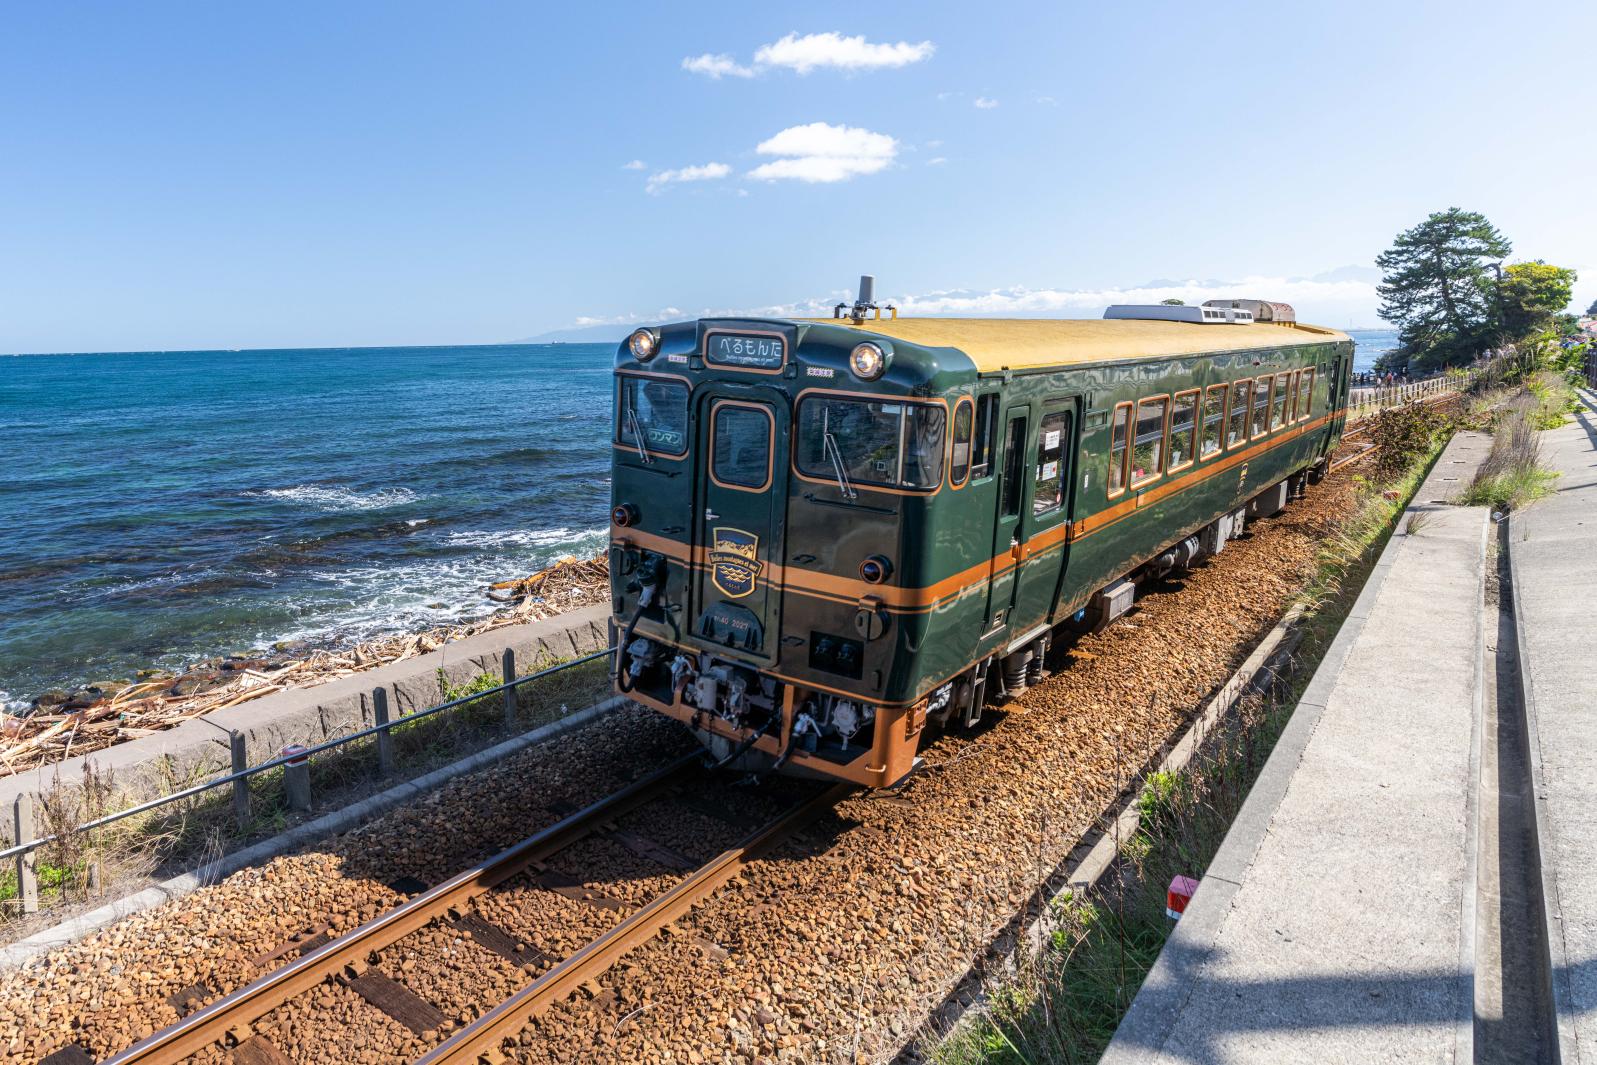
(1048,487)
(1237,425)
(1261,406)
(1306,395)
(1279,403)
(959,444)
(1183,430)
(1148,449)
(1213,419)
(981,444)
(1014,464)
(1119,433)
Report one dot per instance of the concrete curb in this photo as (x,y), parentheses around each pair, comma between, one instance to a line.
(1557,971)
(341,820)
(1162,997)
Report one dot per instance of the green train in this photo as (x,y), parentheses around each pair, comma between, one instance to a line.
(828,533)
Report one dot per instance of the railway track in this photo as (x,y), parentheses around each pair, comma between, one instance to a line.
(1362,426)
(354,958)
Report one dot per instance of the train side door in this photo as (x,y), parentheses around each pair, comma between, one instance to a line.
(1012,493)
(1045,517)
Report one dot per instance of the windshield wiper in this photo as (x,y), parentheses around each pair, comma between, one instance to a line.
(833,452)
(637,434)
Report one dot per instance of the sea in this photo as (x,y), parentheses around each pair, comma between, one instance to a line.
(163,507)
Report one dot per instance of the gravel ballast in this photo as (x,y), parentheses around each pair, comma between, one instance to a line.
(831,948)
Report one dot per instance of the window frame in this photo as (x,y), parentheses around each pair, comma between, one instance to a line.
(1255,432)
(1067,410)
(796,431)
(1164,439)
(621,378)
(1192,433)
(1282,381)
(1110,491)
(1306,395)
(1225,400)
(988,440)
(1240,389)
(970,454)
(770,444)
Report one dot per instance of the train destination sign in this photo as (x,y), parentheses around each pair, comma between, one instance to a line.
(758,351)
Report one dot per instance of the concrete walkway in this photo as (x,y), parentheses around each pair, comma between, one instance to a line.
(1337,921)
(1553,550)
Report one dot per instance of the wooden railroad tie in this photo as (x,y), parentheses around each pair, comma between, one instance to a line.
(259,1050)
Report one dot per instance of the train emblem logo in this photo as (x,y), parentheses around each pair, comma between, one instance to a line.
(734,561)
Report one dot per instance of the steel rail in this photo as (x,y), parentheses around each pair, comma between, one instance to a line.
(483,1035)
(234,1012)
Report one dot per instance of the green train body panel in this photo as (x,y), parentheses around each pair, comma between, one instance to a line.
(953,596)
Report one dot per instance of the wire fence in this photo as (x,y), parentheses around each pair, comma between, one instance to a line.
(294,761)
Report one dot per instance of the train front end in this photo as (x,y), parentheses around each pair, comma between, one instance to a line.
(764,472)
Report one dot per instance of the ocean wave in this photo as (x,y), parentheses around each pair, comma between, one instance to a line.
(522,537)
(339,498)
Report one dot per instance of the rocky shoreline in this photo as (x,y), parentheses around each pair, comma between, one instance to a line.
(63,722)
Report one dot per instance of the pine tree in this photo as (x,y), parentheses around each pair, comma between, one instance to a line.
(1435,286)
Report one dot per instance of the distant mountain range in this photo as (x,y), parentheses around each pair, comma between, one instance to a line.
(589,334)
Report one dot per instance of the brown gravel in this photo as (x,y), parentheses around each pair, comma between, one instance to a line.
(830,949)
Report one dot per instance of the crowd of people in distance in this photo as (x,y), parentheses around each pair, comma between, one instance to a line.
(1380,380)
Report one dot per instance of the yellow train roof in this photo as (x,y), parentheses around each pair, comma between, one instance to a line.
(1029,343)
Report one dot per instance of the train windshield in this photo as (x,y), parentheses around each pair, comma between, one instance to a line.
(655,409)
(895,445)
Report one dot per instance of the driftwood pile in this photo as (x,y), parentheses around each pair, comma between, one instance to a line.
(93,718)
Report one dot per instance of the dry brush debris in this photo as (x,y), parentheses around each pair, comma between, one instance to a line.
(91,718)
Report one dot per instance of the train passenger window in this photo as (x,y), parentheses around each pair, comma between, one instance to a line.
(892,444)
(1148,449)
(1306,394)
(1261,406)
(1213,419)
(1236,429)
(1118,435)
(656,408)
(740,452)
(981,449)
(1048,487)
(959,455)
(1014,465)
(1183,429)
(1278,405)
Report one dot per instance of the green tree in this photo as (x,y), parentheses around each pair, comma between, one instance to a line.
(1532,296)
(1435,286)
(1593,308)
(1173,303)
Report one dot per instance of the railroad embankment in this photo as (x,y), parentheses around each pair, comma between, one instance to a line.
(838,943)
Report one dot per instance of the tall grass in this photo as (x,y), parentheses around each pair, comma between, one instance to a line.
(1512,475)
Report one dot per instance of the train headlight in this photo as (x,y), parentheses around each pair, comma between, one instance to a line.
(643,344)
(867,361)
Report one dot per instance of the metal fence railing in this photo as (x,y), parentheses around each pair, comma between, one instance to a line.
(1364,401)
(295,761)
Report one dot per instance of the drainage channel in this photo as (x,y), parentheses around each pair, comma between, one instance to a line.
(1514,1017)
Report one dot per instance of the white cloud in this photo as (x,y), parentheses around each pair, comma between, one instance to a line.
(938,161)
(716,66)
(986,103)
(707,172)
(945,96)
(1046,101)
(636,164)
(1339,298)
(815,50)
(820,152)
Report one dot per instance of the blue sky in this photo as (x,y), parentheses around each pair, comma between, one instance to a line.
(227,175)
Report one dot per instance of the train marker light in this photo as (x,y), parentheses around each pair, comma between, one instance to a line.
(643,344)
(1180,893)
(867,361)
